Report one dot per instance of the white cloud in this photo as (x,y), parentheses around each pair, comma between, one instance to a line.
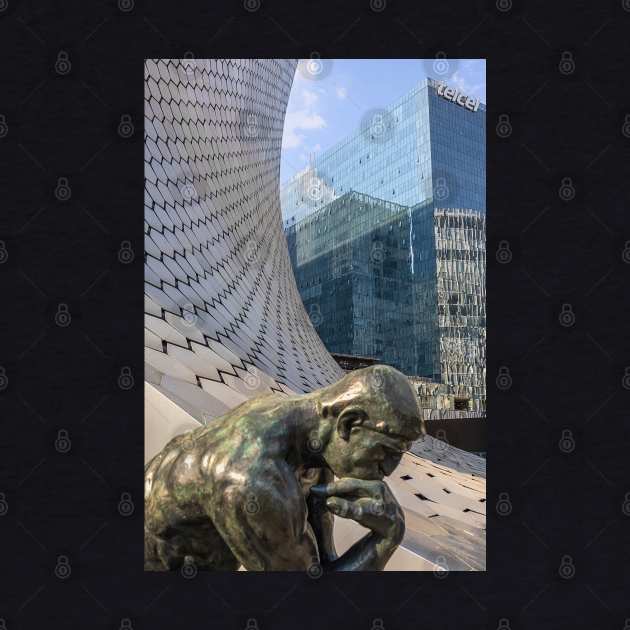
(309,98)
(463,85)
(297,121)
(341,92)
(458,81)
(301,118)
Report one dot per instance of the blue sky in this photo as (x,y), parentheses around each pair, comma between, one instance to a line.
(327,105)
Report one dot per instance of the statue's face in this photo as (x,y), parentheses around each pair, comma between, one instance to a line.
(377,424)
(366,453)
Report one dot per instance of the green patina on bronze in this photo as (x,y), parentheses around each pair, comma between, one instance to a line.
(256,486)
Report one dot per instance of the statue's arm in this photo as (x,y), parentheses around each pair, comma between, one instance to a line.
(322,521)
(370,553)
(261,515)
(371,504)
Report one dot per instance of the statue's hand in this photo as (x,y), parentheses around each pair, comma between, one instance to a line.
(369,503)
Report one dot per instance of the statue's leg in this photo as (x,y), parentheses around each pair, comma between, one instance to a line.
(211,553)
(223,561)
(200,545)
(152,559)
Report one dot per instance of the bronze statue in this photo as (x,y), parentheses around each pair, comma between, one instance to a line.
(256,487)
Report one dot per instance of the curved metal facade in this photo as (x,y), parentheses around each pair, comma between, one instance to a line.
(223,317)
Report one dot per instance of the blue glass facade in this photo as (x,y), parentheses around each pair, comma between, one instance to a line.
(423,148)
(352,267)
(386,232)
(458,154)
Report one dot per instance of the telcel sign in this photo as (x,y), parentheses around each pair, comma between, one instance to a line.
(453,95)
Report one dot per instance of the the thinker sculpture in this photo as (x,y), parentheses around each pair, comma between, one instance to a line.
(256,487)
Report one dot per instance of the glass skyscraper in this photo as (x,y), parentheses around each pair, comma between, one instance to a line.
(422,148)
(386,232)
(351,264)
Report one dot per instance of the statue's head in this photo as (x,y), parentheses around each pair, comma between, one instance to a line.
(373,416)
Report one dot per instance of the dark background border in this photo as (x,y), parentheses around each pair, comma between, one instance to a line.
(560,503)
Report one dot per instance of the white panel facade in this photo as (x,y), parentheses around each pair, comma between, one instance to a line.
(223,318)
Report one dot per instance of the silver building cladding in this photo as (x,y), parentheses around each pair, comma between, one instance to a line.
(425,157)
(224,321)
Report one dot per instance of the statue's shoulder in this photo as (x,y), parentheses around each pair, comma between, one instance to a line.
(244,442)
(260,483)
